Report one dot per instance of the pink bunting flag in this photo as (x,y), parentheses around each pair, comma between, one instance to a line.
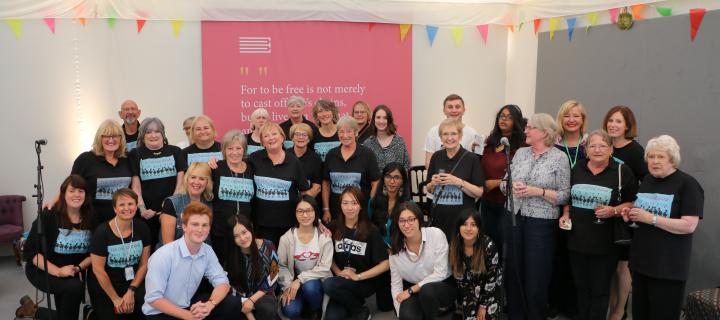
(483,29)
(50,22)
(614,14)
(696,17)
(140,25)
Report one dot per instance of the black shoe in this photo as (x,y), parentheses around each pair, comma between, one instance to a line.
(364,314)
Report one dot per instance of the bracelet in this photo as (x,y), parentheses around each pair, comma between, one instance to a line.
(360,277)
(462,184)
(326,209)
(251,300)
(132,288)
(543,192)
(654,221)
(615,212)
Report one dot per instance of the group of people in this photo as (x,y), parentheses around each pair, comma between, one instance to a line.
(285,214)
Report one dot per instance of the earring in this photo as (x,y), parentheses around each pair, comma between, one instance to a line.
(384,191)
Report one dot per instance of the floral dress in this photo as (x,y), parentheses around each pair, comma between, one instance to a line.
(481,289)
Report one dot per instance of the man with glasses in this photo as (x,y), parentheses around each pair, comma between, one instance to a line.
(129,113)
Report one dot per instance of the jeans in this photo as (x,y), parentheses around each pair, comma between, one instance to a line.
(530,250)
(310,295)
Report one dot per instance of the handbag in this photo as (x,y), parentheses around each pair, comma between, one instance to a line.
(621,232)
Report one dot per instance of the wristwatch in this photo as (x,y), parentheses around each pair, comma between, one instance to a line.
(410,291)
(132,288)
(214,303)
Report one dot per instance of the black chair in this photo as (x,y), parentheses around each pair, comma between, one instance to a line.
(416,175)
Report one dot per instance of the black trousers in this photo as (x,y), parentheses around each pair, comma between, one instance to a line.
(104,307)
(426,303)
(656,299)
(68,292)
(592,274)
(493,217)
(347,297)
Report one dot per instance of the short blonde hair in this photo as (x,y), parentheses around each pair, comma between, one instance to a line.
(109,128)
(257,113)
(229,137)
(667,144)
(327,105)
(564,109)
(270,126)
(301,127)
(545,123)
(203,169)
(449,122)
(195,123)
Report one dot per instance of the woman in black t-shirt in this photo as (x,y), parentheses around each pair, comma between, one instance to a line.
(257,120)
(668,208)
(302,136)
(67,235)
(120,249)
(204,146)
(360,263)
(601,188)
(197,186)
(158,170)
(326,116)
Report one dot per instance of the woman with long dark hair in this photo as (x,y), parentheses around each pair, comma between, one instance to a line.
(509,124)
(394,189)
(475,265)
(359,262)
(68,228)
(253,269)
(384,140)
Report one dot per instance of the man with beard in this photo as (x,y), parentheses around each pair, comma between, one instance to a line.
(129,113)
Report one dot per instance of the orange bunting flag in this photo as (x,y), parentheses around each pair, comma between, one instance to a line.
(537,23)
(638,11)
(140,25)
(371,25)
(50,22)
(483,29)
(404,29)
(696,17)
(553,25)
(82,21)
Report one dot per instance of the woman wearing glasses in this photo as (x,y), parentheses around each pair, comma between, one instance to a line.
(601,188)
(419,273)
(302,135)
(394,190)
(361,113)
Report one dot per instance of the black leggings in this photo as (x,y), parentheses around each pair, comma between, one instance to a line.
(68,292)
(592,274)
(103,306)
(426,303)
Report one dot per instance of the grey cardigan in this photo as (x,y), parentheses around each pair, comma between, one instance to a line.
(287,262)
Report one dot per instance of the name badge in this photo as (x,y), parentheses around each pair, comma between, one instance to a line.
(129,273)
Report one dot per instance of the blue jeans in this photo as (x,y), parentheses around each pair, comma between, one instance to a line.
(528,267)
(309,295)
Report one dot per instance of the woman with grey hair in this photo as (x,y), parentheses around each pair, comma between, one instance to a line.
(296,115)
(233,189)
(540,184)
(258,118)
(326,116)
(157,171)
(348,165)
(668,208)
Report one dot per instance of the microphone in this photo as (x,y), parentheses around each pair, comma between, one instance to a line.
(504,141)
(41,142)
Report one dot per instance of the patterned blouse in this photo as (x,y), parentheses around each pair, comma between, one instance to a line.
(396,151)
(551,171)
(481,289)
(271,269)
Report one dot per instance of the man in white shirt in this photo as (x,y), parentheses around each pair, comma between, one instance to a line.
(453,107)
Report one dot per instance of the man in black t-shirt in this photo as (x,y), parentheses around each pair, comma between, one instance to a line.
(130,114)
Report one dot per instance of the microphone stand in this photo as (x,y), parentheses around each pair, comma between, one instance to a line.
(509,199)
(42,237)
(510,207)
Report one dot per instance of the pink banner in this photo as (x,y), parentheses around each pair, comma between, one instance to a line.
(260,64)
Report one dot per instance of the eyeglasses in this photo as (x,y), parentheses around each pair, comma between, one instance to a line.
(598,146)
(304,212)
(506,117)
(529,127)
(407,221)
(349,203)
(393,177)
(360,112)
(110,137)
(300,134)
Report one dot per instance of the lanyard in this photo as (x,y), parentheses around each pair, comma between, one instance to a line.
(132,235)
(567,151)
(346,247)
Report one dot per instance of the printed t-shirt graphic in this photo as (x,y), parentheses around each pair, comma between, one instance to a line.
(587,196)
(107,186)
(273,189)
(342,180)
(322,148)
(655,203)
(349,246)
(449,195)
(236,189)
(203,157)
(72,241)
(157,168)
(124,255)
(251,148)
(131,145)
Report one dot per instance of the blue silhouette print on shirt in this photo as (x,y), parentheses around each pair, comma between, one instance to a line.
(203,157)
(588,196)
(131,145)
(272,189)
(252,149)
(655,203)
(72,241)
(449,195)
(107,186)
(157,168)
(341,180)
(236,189)
(124,255)
(322,148)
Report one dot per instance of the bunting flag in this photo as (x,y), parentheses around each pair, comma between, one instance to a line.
(537,23)
(521,18)
(508,21)
(111,22)
(431,33)
(82,21)
(483,29)
(50,22)
(457,34)
(592,18)
(696,17)
(16,26)
(638,11)
(140,25)
(371,25)
(404,28)
(571,27)
(665,12)
(553,25)
(614,14)
(176,26)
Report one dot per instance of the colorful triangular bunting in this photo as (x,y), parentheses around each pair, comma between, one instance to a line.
(614,14)
(592,18)
(431,33)
(404,28)
(696,17)
(665,12)
(82,21)
(638,11)
(16,26)
(140,25)
(176,26)
(371,25)
(111,22)
(50,22)
(483,29)
(537,23)
(553,25)
(457,34)
(571,27)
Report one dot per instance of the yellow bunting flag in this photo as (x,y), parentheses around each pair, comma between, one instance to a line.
(457,34)
(176,26)
(592,19)
(16,26)
(404,28)
(553,24)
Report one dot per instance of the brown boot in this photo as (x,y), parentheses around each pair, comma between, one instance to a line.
(27,308)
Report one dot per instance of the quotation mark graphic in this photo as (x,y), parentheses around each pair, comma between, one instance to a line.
(244,71)
(254,44)
(262,71)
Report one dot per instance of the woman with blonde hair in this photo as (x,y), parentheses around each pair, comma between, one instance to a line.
(203,147)
(197,186)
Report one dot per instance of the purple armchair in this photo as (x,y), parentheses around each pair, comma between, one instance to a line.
(11,221)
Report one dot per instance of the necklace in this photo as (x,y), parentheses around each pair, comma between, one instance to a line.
(567,151)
